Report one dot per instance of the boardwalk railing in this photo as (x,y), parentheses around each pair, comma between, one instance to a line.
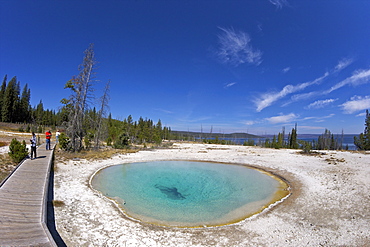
(23,203)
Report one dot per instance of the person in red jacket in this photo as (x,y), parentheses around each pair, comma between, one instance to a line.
(48,138)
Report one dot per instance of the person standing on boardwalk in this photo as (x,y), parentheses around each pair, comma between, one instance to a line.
(57,134)
(33,141)
(48,138)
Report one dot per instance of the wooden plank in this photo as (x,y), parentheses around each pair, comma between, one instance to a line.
(23,204)
(14,201)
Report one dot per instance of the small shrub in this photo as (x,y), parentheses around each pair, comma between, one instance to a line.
(88,139)
(87,142)
(17,151)
(109,141)
(306,146)
(64,142)
(250,142)
(121,142)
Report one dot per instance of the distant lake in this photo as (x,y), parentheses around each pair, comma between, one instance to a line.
(347,139)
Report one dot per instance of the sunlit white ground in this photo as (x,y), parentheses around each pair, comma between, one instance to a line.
(329,205)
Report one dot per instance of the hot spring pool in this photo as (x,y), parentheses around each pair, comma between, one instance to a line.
(188,194)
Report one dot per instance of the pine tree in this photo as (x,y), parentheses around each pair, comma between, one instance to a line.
(2,93)
(82,88)
(158,135)
(326,141)
(293,143)
(130,129)
(280,140)
(362,142)
(274,142)
(39,113)
(141,130)
(24,107)
(10,101)
(62,116)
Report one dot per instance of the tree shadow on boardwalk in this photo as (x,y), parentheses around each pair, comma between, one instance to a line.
(50,211)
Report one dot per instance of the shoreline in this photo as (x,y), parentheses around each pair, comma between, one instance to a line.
(328,204)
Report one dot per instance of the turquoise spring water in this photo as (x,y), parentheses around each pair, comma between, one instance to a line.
(186,194)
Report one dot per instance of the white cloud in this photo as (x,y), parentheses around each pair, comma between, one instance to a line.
(229,84)
(251,122)
(285,70)
(282,118)
(329,116)
(259,26)
(248,122)
(342,64)
(279,3)
(319,119)
(357,103)
(194,120)
(235,48)
(361,114)
(268,98)
(311,127)
(359,77)
(302,96)
(309,118)
(163,110)
(321,103)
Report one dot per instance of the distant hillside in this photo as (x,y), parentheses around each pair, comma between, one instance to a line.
(187,134)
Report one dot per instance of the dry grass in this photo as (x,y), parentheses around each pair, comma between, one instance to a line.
(6,166)
(103,153)
(9,126)
(58,203)
(62,156)
(334,161)
(9,131)
(311,153)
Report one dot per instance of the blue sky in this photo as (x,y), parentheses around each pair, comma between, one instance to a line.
(230,66)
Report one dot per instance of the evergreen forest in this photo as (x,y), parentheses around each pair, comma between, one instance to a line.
(83,125)
(16,108)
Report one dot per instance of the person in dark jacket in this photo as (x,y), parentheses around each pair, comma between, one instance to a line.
(33,141)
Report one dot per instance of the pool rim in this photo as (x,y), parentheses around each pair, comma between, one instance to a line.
(266,208)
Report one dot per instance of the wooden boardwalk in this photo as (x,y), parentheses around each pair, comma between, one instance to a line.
(23,203)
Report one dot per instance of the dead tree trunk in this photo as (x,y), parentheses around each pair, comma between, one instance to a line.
(102,112)
(82,88)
